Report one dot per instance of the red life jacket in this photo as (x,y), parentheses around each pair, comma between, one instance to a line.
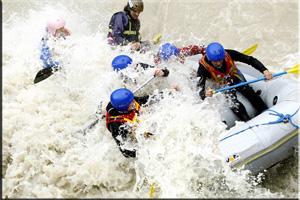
(128,117)
(216,75)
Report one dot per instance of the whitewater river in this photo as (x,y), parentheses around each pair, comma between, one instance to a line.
(44,156)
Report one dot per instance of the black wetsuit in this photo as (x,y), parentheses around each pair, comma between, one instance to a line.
(237,107)
(120,132)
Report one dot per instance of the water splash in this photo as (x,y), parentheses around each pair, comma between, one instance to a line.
(44,157)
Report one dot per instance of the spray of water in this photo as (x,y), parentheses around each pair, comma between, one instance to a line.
(44,156)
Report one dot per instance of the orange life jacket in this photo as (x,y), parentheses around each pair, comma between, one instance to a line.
(216,75)
(128,117)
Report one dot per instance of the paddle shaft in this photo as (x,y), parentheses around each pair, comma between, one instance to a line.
(248,82)
(141,86)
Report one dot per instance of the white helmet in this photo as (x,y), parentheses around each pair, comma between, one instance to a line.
(54,24)
(136,5)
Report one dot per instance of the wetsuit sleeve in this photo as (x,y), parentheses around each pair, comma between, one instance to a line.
(120,133)
(118,29)
(237,56)
(203,74)
(142,100)
(192,50)
(46,55)
(145,66)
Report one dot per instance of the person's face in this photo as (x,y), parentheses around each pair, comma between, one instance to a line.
(132,106)
(135,14)
(61,32)
(217,64)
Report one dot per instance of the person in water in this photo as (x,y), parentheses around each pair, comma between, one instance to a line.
(219,65)
(169,50)
(122,114)
(124,26)
(55,30)
(132,73)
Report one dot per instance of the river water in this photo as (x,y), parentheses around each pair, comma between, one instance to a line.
(44,156)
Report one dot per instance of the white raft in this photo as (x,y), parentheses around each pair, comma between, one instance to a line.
(267,138)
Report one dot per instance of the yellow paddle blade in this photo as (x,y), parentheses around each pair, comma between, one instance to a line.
(294,69)
(250,50)
(152,190)
(156,38)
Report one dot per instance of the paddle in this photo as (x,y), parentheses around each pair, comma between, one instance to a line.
(98,115)
(293,70)
(44,73)
(156,38)
(141,86)
(250,50)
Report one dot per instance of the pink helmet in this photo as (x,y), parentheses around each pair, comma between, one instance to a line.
(54,24)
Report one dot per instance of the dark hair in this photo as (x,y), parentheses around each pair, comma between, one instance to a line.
(127,8)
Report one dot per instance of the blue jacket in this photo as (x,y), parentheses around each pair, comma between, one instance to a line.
(46,55)
(123,29)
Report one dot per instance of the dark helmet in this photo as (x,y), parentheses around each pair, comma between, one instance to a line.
(136,5)
(215,52)
(121,62)
(167,50)
(121,99)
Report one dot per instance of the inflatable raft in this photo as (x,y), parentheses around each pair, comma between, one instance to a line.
(267,138)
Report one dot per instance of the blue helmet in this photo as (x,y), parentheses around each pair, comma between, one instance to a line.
(167,50)
(215,52)
(121,99)
(120,62)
